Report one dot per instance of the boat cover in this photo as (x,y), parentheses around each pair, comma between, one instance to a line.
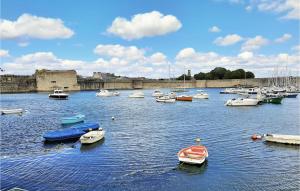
(70,133)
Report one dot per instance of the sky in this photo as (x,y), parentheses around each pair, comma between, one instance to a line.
(150,37)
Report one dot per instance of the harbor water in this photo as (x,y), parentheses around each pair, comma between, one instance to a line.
(140,145)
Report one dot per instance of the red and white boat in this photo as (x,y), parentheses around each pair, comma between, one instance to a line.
(193,154)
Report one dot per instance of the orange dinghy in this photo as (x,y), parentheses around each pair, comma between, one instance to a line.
(184,98)
(193,155)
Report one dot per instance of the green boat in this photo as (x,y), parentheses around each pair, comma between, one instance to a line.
(274,100)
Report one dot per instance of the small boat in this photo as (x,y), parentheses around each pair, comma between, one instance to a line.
(104,93)
(165,99)
(184,98)
(286,139)
(290,95)
(92,136)
(58,94)
(179,90)
(193,154)
(116,93)
(157,93)
(137,94)
(74,132)
(11,111)
(73,119)
(242,102)
(172,95)
(274,100)
(201,95)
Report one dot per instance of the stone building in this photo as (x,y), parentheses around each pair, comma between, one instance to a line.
(103,76)
(48,80)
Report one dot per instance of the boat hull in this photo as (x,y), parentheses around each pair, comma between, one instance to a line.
(92,137)
(188,98)
(284,139)
(58,96)
(74,119)
(200,96)
(11,111)
(245,102)
(276,100)
(193,155)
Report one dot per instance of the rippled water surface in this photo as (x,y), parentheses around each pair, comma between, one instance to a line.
(140,145)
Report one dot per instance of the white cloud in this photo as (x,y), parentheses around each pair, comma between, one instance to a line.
(214,29)
(288,9)
(254,43)
(296,48)
(228,40)
(126,52)
(285,37)
(144,25)
(30,26)
(4,53)
(261,65)
(246,55)
(158,59)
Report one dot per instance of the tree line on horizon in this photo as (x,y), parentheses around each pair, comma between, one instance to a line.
(219,73)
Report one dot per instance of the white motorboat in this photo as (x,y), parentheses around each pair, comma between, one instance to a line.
(165,99)
(92,136)
(172,95)
(137,94)
(201,95)
(59,94)
(157,93)
(285,139)
(242,102)
(104,93)
(11,111)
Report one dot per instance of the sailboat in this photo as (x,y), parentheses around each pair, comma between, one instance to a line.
(184,97)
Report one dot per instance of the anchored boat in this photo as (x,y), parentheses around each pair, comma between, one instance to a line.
(73,132)
(157,93)
(74,119)
(201,95)
(58,94)
(193,154)
(165,99)
(11,111)
(92,136)
(184,98)
(286,139)
(242,102)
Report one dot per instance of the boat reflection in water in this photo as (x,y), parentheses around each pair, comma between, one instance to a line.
(192,169)
(88,147)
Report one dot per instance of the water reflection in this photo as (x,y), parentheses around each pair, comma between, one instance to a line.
(88,147)
(192,169)
(282,146)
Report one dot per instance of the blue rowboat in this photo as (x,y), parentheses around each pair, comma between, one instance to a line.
(74,132)
(73,119)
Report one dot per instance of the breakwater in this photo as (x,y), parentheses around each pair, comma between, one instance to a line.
(42,82)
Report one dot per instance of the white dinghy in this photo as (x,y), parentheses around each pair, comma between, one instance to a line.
(11,111)
(242,102)
(285,139)
(92,136)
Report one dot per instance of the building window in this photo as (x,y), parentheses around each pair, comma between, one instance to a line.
(66,87)
(53,82)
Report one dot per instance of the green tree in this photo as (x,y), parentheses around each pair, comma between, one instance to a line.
(200,76)
(250,75)
(218,73)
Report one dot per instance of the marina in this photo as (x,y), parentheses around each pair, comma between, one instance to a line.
(142,139)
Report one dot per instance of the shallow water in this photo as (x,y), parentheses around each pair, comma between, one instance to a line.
(140,145)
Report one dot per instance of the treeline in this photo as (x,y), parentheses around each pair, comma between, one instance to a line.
(220,73)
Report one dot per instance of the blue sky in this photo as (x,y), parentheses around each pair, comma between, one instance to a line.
(88,23)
